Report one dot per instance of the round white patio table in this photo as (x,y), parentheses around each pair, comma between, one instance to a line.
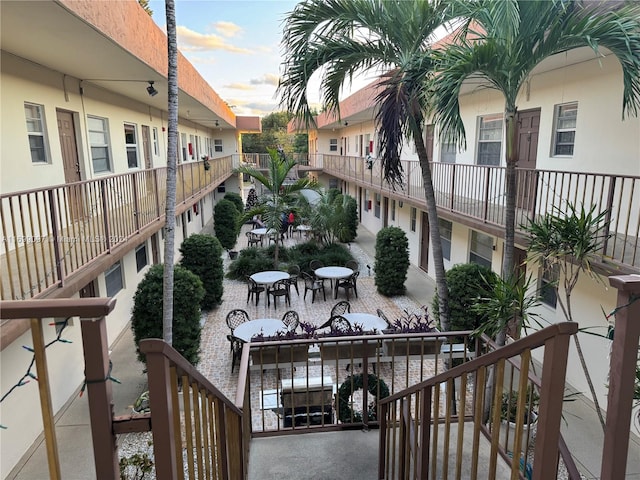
(306,229)
(265,326)
(260,231)
(333,273)
(269,277)
(367,321)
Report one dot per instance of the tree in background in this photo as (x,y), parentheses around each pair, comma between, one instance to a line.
(274,133)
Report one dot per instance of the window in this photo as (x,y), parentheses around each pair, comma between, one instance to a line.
(564,135)
(481,249)
(489,140)
(99,141)
(183,143)
(141,256)
(445,237)
(448,152)
(366,200)
(412,218)
(156,142)
(217,145)
(131,141)
(376,206)
(548,281)
(192,147)
(113,279)
(393,210)
(333,145)
(34,115)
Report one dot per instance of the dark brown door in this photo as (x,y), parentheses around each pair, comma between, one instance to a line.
(528,130)
(385,212)
(70,162)
(424,242)
(155,250)
(88,291)
(428,141)
(146,147)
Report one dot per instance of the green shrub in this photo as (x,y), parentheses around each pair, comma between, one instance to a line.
(350,213)
(250,261)
(226,223)
(146,317)
(466,282)
(332,254)
(236,199)
(201,254)
(392,261)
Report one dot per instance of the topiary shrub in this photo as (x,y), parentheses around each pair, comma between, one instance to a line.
(146,317)
(332,254)
(392,261)
(350,233)
(466,282)
(202,255)
(236,199)
(225,219)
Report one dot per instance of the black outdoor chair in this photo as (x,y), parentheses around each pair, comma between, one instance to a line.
(234,318)
(340,308)
(236,350)
(313,284)
(339,323)
(253,289)
(253,239)
(294,273)
(279,289)
(349,283)
(383,316)
(291,319)
(353,265)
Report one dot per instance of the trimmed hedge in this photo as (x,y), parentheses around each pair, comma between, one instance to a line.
(236,199)
(202,255)
(226,223)
(146,317)
(392,261)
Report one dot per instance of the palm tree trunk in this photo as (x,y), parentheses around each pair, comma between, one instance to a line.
(434,227)
(172,151)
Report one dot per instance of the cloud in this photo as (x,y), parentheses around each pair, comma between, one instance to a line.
(239,86)
(266,79)
(227,29)
(188,40)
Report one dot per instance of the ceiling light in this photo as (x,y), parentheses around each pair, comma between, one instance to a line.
(346,123)
(217,123)
(151,90)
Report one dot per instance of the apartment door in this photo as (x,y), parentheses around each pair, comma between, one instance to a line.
(155,249)
(70,161)
(428,141)
(89,290)
(385,212)
(146,147)
(424,242)
(528,130)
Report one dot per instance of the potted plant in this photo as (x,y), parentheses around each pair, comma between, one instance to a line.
(286,353)
(205,162)
(412,322)
(509,416)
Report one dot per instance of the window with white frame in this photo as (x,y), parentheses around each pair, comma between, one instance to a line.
(445,227)
(141,256)
(413,216)
(333,144)
(217,145)
(113,279)
(548,280)
(34,115)
(185,146)
(564,134)
(489,139)
(131,141)
(481,248)
(156,142)
(99,141)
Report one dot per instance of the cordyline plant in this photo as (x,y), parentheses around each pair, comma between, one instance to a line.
(414,322)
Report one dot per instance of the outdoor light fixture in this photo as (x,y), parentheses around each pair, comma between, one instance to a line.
(346,123)
(151,90)
(217,123)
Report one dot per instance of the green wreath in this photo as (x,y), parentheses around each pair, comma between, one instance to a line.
(353,383)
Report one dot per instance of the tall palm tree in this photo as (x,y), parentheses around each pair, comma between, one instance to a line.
(172,152)
(503,41)
(277,203)
(341,38)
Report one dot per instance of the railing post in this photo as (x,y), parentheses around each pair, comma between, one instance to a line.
(158,375)
(57,241)
(105,215)
(609,209)
(136,202)
(622,371)
(97,370)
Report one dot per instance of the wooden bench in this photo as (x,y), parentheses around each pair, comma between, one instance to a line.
(307,401)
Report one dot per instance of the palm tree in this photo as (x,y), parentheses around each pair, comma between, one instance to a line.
(345,37)
(503,41)
(172,152)
(274,206)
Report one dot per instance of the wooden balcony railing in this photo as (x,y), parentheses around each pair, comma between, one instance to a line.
(432,430)
(50,233)
(478,192)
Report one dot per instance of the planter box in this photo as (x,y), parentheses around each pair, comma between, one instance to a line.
(412,346)
(347,351)
(282,355)
(528,430)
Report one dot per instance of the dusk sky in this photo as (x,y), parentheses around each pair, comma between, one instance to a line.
(235,45)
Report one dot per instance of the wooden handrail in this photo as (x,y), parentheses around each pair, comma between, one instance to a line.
(58,307)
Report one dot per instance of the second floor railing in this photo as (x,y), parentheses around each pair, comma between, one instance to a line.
(478,192)
(49,233)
